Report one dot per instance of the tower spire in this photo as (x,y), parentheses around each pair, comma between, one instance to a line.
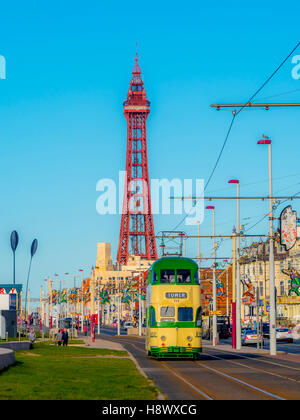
(137,232)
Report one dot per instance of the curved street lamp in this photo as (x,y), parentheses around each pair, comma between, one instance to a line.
(14,240)
(32,252)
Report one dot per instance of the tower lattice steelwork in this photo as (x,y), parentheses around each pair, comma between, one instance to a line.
(137,232)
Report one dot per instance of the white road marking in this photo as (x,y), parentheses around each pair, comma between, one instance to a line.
(187,382)
(242,382)
(253,368)
(258,360)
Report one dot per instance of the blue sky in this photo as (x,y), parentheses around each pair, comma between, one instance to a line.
(62,126)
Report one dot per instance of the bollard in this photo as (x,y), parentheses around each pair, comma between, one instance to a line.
(43,336)
(19,335)
(6,336)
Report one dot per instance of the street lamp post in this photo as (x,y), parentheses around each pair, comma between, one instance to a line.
(82,307)
(67,300)
(214,285)
(238,281)
(199,253)
(119,301)
(32,253)
(267,141)
(233,289)
(14,240)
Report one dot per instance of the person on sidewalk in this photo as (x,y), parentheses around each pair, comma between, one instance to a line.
(65,337)
(31,337)
(85,329)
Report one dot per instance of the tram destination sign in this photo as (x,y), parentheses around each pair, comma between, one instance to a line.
(176,295)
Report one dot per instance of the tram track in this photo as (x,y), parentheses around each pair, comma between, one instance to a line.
(244,383)
(208,380)
(187,381)
(253,368)
(263,360)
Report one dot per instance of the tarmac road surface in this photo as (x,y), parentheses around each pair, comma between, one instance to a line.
(218,374)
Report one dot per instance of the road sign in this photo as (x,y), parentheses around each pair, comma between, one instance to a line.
(215,312)
(266,306)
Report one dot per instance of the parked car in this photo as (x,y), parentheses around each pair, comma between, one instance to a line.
(127,325)
(250,337)
(284,334)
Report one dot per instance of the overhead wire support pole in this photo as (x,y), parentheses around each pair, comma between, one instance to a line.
(235,198)
(211,236)
(253,105)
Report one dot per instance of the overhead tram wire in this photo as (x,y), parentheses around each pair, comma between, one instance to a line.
(235,114)
(279,94)
(266,215)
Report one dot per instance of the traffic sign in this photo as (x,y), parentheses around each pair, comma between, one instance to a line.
(215,312)
(266,306)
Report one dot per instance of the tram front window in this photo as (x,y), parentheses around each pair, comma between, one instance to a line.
(185,314)
(167,311)
(183,276)
(167,276)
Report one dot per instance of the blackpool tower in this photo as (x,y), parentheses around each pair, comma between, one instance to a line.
(137,232)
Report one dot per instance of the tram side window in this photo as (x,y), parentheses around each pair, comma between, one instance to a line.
(183,276)
(152,317)
(199,317)
(185,314)
(167,276)
(154,277)
(196,277)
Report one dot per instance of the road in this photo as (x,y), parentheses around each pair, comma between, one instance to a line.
(281,346)
(218,374)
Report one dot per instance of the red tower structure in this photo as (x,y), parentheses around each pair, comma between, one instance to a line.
(137,232)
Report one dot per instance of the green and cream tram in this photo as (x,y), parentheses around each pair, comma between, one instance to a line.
(173,311)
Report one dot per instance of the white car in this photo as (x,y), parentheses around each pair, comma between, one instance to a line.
(127,325)
(284,334)
(250,337)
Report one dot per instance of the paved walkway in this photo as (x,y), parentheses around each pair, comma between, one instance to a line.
(99,343)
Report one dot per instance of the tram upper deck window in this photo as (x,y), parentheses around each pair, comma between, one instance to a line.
(185,314)
(167,276)
(183,276)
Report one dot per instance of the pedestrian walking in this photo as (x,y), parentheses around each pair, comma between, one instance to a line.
(85,329)
(65,337)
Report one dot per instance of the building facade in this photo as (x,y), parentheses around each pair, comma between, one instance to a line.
(254,263)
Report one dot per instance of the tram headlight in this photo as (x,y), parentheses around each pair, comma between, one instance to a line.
(189,338)
(163,338)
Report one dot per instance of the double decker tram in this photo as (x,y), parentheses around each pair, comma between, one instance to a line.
(173,311)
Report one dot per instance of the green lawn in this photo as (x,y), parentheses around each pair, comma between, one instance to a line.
(51,372)
(13,339)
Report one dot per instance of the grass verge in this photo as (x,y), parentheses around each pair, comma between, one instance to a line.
(58,373)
